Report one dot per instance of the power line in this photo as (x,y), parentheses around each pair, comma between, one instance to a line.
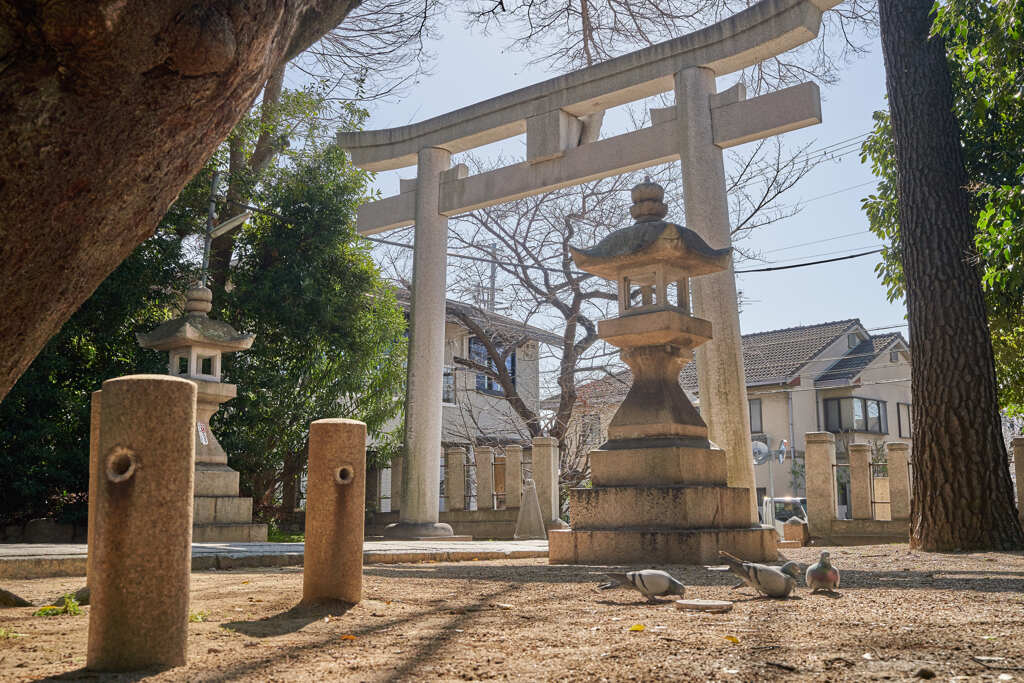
(809,263)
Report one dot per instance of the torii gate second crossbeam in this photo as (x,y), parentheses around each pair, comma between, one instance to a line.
(561,151)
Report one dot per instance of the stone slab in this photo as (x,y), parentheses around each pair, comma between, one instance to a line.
(240,532)
(221,510)
(635,547)
(664,466)
(215,480)
(33,561)
(663,507)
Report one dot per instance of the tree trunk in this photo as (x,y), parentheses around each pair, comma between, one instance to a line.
(107,109)
(963,497)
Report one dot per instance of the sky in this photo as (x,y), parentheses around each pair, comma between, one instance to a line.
(470,67)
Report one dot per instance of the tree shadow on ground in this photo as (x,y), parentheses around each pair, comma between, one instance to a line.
(289,621)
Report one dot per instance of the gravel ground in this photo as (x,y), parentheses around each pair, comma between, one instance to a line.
(899,614)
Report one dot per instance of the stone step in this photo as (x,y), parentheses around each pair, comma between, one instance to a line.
(692,546)
(229,533)
(658,466)
(221,510)
(662,507)
(215,480)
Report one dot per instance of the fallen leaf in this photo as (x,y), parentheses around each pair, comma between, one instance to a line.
(732,639)
(867,655)
(637,627)
(348,637)
(245,582)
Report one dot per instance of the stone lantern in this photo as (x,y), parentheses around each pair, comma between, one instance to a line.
(194,343)
(659,486)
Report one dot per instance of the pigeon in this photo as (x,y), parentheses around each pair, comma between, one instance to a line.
(775,582)
(822,575)
(650,582)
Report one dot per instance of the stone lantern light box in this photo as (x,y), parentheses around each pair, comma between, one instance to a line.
(655,330)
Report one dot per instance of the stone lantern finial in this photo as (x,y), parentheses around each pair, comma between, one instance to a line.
(198,301)
(648,202)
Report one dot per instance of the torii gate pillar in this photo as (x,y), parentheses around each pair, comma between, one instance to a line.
(421,473)
(720,375)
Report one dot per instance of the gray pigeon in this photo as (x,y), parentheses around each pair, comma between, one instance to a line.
(822,575)
(775,582)
(650,582)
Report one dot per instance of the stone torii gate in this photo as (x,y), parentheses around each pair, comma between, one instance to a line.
(563,150)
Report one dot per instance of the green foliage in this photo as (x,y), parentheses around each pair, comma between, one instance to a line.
(986,58)
(198,617)
(6,634)
(44,421)
(276,535)
(69,606)
(328,331)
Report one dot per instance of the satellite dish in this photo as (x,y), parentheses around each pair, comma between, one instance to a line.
(761,453)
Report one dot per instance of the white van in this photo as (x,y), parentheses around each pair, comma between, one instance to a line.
(777,511)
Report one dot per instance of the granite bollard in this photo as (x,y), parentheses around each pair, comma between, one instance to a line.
(140,561)
(335,508)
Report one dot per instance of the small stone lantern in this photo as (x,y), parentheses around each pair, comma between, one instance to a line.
(654,329)
(195,343)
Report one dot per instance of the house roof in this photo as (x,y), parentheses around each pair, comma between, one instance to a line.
(771,357)
(859,357)
(499,325)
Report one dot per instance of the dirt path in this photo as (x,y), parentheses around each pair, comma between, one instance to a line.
(898,611)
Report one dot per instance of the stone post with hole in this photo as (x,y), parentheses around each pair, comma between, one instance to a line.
(455,479)
(897,457)
(484,458)
(335,511)
(142,538)
(820,463)
(860,481)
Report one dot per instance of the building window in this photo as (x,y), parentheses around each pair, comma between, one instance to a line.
(591,428)
(448,385)
(856,415)
(903,420)
(486,383)
(894,356)
(756,427)
(852,340)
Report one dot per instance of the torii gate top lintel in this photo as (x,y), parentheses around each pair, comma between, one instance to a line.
(763,30)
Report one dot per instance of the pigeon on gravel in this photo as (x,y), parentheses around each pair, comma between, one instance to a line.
(775,582)
(650,582)
(822,575)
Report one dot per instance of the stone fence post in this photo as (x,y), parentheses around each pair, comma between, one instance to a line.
(897,457)
(141,559)
(860,481)
(545,475)
(513,476)
(335,512)
(455,478)
(484,457)
(820,461)
(1018,459)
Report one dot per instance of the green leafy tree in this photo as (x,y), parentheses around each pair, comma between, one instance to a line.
(985,52)
(328,330)
(44,420)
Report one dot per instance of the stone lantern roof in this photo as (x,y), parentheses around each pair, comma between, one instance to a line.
(651,241)
(195,327)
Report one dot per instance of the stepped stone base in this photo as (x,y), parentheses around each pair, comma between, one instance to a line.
(660,507)
(218,514)
(632,546)
(651,465)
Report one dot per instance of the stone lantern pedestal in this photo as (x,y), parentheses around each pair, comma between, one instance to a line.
(195,343)
(659,492)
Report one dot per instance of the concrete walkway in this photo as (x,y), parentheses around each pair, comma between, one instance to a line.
(39,560)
